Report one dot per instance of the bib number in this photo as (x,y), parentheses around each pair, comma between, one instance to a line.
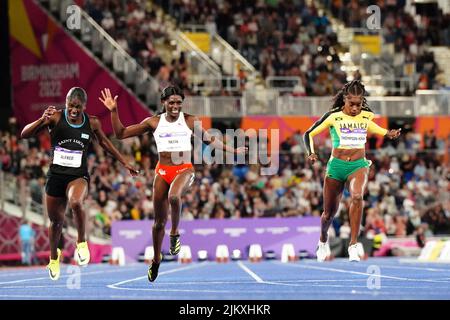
(67,158)
(353,139)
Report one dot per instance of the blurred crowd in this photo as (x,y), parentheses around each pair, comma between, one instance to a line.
(405,38)
(279,38)
(139,31)
(408,186)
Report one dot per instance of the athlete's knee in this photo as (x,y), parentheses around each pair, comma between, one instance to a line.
(356,197)
(159,225)
(75,204)
(56,223)
(174,199)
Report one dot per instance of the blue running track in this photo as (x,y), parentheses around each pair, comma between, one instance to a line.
(376,278)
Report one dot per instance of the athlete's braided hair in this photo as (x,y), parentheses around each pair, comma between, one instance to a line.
(354,87)
(77,92)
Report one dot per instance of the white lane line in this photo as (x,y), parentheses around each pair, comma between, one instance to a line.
(36,297)
(413,268)
(419,262)
(23,273)
(250,272)
(190,290)
(29,287)
(115,285)
(358,273)
(63,276)
(395,267)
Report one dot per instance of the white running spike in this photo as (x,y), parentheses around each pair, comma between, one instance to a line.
(360,249)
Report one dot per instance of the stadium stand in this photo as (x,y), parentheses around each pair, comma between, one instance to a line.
(409,182)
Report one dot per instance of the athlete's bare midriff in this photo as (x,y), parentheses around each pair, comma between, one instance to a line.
(349,154)
(174,158)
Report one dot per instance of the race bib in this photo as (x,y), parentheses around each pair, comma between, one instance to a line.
(353,138)
(67,158)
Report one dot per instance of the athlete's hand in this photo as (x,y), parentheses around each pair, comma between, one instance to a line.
(394,134)
(47,114)
(313,158)
(107,100)
(134,172)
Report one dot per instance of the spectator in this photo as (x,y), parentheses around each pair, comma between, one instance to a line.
(27,235)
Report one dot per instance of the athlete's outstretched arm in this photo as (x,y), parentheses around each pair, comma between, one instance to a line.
(196,125)
(391,134)
(47,118)
(120,130)
(315,129)
(106,144)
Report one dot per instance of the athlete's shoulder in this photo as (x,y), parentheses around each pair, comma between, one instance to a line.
(332,113)
(92,119)
(152,121)
(189,116)
(367,113)
(191,120)
(155,117)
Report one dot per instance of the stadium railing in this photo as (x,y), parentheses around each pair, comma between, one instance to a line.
(223,53)
(230,59)
(283,83)
(200,64)
(270,102)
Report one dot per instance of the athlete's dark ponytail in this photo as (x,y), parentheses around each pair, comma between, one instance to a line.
(170,91)
(354,87)
(78,93)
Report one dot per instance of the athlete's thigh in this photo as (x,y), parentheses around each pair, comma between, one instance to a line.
(182,182)
(56,207)
(77,189)
(160,191)
(357,181)
(332,193)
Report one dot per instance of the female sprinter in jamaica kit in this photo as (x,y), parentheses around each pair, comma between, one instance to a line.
(349,121)
(71,131)
(172,131)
